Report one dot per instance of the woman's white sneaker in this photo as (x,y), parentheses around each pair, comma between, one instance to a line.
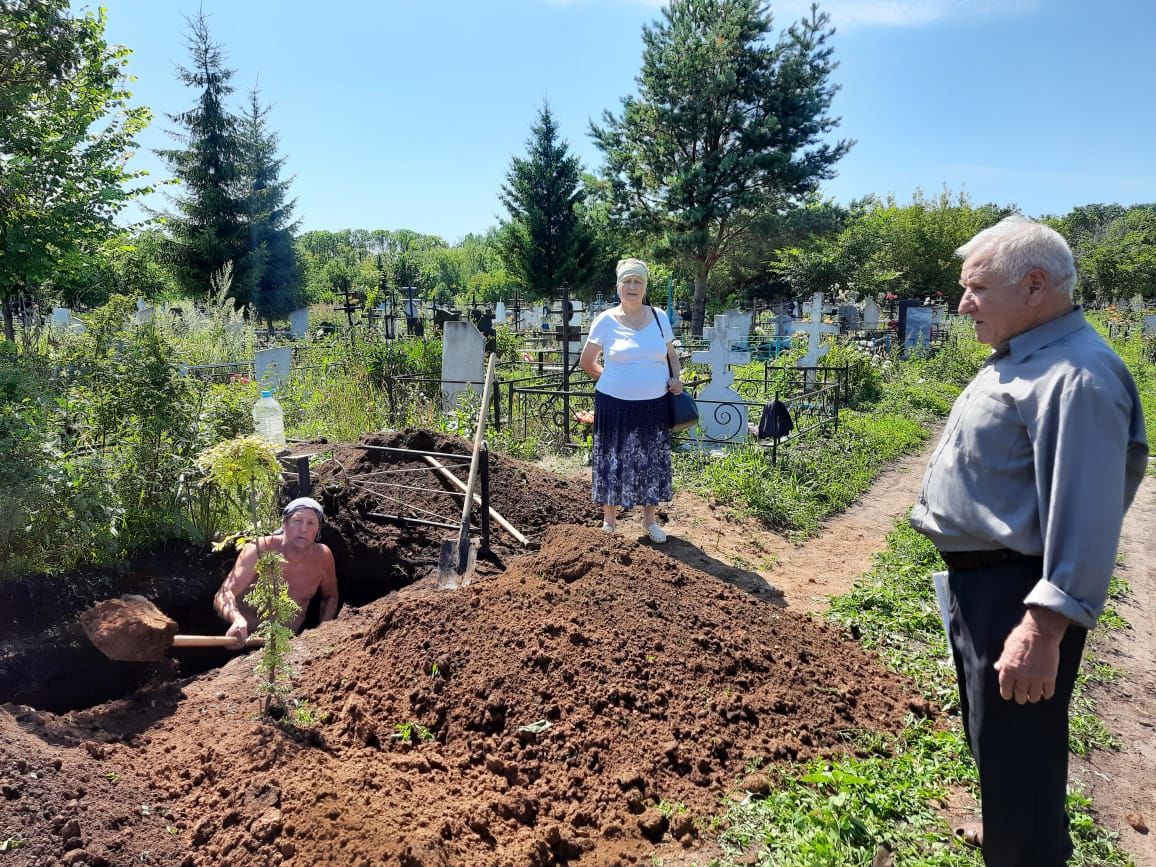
(608,527)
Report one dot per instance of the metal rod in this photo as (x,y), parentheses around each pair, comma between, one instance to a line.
(484,472)
(401,519)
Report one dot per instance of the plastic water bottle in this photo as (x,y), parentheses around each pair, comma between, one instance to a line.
(269,419)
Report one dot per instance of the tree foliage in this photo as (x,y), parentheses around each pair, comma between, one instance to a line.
(209,227)
(66,133)
(726,128)
(907,250)
(1115,249)
(545,243)
(275,276)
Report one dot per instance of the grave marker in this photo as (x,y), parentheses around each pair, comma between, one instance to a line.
(871,314)
(723,414)
(1149,327)
(500,313)
(814,328)
(299,322)
(61,317)
(272,366)
(917,327)
(463,361)
(739,326)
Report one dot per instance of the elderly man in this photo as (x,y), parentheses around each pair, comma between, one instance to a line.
(308,570)
(1024,497)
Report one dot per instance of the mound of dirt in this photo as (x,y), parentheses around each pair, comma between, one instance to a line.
(374,556)
(564,710)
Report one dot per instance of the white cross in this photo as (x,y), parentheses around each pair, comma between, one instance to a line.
(815,329)
(720,354)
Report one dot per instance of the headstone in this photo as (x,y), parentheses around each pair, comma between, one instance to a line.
(917,327)
(577,309)
(739,325)
(61,317)
(272,366)
(849,317)
(814,328)
(500,313)
(1150,325)
(723,415)
(871,314)
(463,361)
(143,313)
(784,325)
(1138,303)
(299,322)
(141,304)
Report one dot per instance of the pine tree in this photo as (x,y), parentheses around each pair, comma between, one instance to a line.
(724,131)
(545,243)
(274,281)
(210,227)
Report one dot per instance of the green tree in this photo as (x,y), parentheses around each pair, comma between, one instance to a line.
(275,276)
(725,128)
(66,132)
(210,226)
(545,243)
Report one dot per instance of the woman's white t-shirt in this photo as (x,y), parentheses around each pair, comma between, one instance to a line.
(633,361)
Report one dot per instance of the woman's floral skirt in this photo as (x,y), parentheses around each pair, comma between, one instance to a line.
(631,460)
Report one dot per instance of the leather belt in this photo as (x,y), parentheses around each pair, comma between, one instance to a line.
(958,561)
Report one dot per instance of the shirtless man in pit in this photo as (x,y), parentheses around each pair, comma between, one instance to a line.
(308,570)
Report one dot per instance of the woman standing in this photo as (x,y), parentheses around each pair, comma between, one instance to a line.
(631,460)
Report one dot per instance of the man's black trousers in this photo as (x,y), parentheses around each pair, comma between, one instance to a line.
(1021,751)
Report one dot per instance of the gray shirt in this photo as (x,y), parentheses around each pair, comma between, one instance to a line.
(1042,453)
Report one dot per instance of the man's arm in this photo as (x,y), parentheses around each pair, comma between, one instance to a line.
(235,586)
(1031,656)
(328,587)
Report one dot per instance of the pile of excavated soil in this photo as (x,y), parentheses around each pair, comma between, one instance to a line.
(374,556)
(564,701)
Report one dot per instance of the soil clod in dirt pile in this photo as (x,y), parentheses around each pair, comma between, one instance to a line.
(129,629)
(356,482)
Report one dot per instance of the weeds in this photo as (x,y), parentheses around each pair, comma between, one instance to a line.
(411,732)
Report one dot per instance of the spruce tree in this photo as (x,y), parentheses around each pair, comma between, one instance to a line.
(274,280)
(210,226)
(545,243)
(726,129)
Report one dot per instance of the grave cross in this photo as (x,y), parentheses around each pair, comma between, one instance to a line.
(814,328)
(724,415)
(721,337)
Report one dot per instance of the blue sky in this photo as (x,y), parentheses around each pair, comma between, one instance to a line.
(406,114)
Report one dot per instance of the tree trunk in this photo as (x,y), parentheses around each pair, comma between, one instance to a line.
(9,328)
(698,306)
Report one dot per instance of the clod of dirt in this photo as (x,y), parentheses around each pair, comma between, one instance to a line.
(129,629)
(1138,822)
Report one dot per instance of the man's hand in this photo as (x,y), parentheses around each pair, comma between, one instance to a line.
(239,632)
(1031,657)
(674,385)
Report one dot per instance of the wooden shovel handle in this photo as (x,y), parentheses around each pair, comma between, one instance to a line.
(213,641)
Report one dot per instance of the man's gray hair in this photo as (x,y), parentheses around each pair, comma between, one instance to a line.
(1017,245)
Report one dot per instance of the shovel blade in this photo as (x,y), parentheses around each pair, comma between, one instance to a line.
(456,564)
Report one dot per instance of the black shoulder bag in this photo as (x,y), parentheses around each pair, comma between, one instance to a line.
(683,409)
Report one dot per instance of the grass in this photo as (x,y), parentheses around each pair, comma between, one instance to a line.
(890,791)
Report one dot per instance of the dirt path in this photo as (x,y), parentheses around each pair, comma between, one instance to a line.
(1120,783)
(712,539)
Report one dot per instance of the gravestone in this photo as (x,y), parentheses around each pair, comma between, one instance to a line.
(871,314)
(463,361)
(272,366)
(1149,327)
(299,322)
(917,327)
(848,317)
(814,328)
(144,313)
(61,317)
(500,313)
(722,413)
(739,326)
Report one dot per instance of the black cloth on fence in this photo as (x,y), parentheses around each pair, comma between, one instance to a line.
(775,422)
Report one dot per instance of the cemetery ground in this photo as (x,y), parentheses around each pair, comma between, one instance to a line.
(600,700)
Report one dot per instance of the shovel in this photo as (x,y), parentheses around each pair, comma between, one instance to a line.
(456,557)
(132,629)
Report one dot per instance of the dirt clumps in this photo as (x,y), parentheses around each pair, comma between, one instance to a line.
(592,702)
(129,629)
